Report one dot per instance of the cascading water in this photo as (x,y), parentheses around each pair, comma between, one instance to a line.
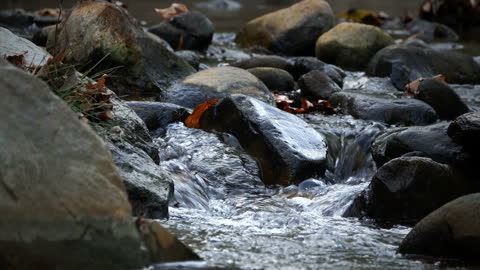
(223,211)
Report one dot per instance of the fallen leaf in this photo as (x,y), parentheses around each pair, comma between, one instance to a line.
(172,11)
(54,12)
(17,59)
(193,121)
(180,43)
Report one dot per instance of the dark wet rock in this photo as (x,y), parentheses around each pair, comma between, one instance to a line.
(432,141)
(407,189)
(450,232)
(287,149)
(191,57)
(307,20)
(274,78)
(351,45)
(372,85)
(149,188)
(188,31)
(217,83)
(404,64)
(442,98)
(465,130)
(391,111)
(163,245)
(432,31)
(157,115)
(13,44)
(298,66)
(317,85)
(63,203)
(95,30)
(16,18)
(40,37)
(271,61)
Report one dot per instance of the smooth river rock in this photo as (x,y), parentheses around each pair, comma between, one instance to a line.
(289,31)
(465,130)
(391,111)
(217,83)
(351,45)
(274,78)
(11,44)
(287,149)
(406,189)
(451,232)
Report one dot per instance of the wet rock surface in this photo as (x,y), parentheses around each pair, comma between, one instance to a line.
(271,61)
(287,149)
(308,19)
(96,30)
(64,205)
(298,66)
(351,45)
(217,83)
(443,99)
(465,130)
(275,79)
(317,85)
(158,115)
(432,31)
(189,31)
(406,189)
(399,141)
(451,232)
(390,111)
(404,64)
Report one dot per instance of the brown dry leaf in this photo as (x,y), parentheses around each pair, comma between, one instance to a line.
(57,59)
(180,43)
(193,121)
(172,11)
(99,85)
(54,12)
(413,87)
(17,59)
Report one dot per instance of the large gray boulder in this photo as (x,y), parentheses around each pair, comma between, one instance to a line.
(290,31)
(103,35)
(406,189)
(217,83)
(404,64)
(451,232)
(351,45)
(287,149)
(63,202)
(391,111)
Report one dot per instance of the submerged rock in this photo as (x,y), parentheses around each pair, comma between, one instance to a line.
(442,98)
(430,141)
(391,111)
(307,20)
(287,149)
(465,130)
(98,30)
(157,115)
(451,232)
(63,202)
(274,78)
(187,31)
(404,64)
(351,45)
(317,85)
(406,189)
(217,83)
(11,44)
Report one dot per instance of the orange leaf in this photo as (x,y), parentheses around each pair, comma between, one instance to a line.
(55,12)
(193,121)
(17,59)
(172,11)
(99,85)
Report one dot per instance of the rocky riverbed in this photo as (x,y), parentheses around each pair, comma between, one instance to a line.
(322,141)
